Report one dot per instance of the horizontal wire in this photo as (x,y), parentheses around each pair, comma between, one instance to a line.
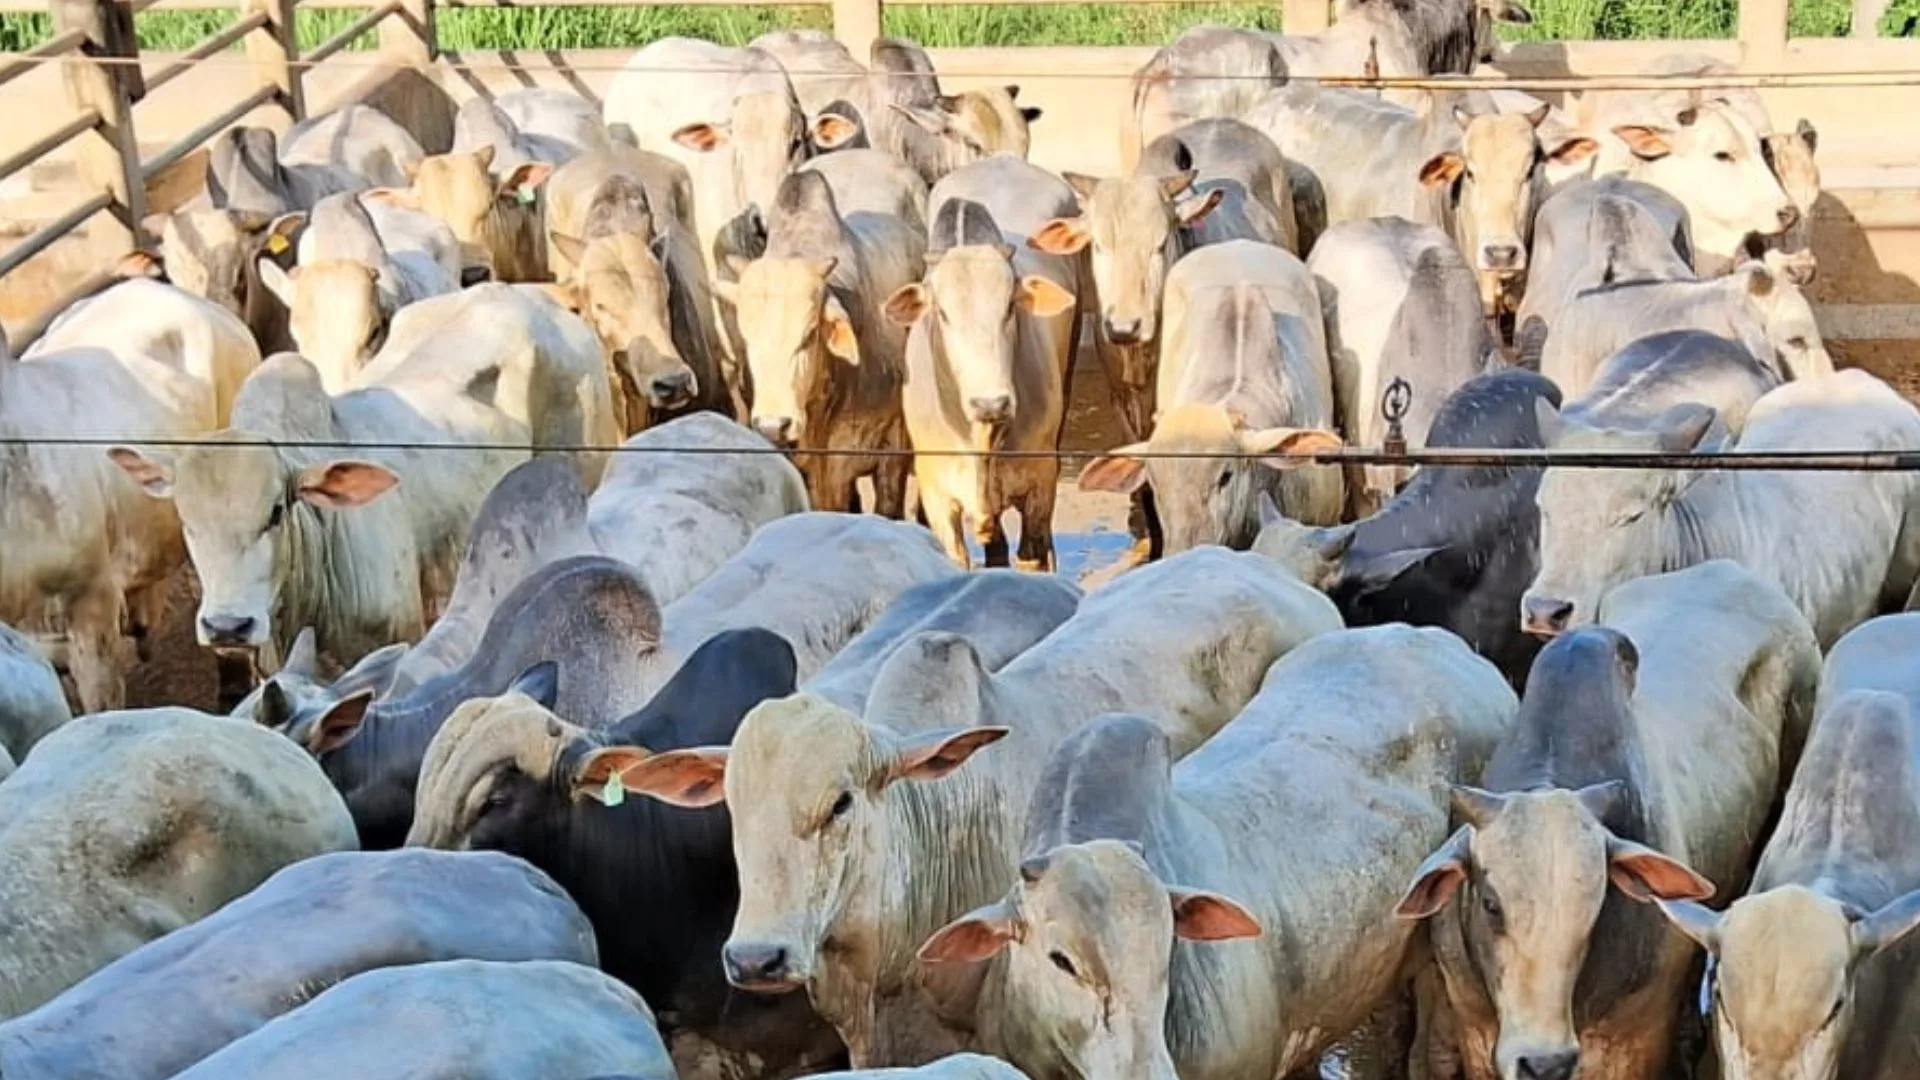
(1620,81)
(1709,461)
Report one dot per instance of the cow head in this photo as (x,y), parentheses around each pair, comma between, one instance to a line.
(1089,931)
(1491,183)
(1792,334)
(501,769)
(1600,527)
(1711,160)
(970,306)
(796,330)
(966,127)
(1782,976)
(1525,879)
(1207,468)
(337,314)
(492,219)
(209,252)
(765,138)
(1133,226)
(819,810)
(255,514)
(620,285)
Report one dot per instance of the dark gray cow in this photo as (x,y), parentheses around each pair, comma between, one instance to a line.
(1816,976)
(472,1019)
(1640,385)
(1457,547)
(159,1009)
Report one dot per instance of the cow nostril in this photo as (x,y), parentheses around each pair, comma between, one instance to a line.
(1557,1066)
(671,389)
(777,430)
(755,963)
(1502,256)
(1789,215)
(1123,331)
(1546,614)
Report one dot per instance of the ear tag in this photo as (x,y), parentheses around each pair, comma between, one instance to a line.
(614,793)
(277,244)
(525,195)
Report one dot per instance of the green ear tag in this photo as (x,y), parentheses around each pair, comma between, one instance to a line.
(526,195)
(614,793)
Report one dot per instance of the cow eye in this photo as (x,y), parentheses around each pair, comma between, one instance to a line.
(1060,961)
(496,800)
(1496,916)
(841,805)
(1226,478)
(1797,342)
(1724,156)
(1839,1003)
(274,517)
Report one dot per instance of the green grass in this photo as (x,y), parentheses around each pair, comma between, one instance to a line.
(1075,24)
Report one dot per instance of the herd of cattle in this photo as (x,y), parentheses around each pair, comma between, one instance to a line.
(580,763)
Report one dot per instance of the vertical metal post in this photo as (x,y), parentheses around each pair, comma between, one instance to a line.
(273,48)
(408,37)
(109,159)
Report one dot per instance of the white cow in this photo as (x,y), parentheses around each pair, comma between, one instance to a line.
(285,536)
(853,848)
(1239,840)
(1842,545)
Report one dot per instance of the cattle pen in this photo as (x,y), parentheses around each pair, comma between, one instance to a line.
(102,133)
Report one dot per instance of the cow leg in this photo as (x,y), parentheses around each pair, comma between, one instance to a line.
(93,647)
(1036,530)
(890,486)
(146,608)
(949,528)
(1434,1055)
(829,489)
(992,538)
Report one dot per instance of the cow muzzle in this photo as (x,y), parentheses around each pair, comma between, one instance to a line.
(222,631)
(991,409)
(1502,256)
(671,390)
(1545,616)
(760,967)
(1551,1065)
(777,430)
(1125,331)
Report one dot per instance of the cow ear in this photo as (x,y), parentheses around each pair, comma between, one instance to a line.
(570,297)
(1199,915)
(1030,113)
(1647,143)
(343,485)
(1042,297)
(593,773)
(278,281)
(484,155)
(1644,874)
(1286,448)
(523,184)
(1549,421)
(541,682)
(1388,566)
(1442,169)
(1191,212)
(1120,472)
(1805,130)
(908,304)
(1681,427)
(280,233)
(155,477)
(934,754)
(1474,806)
(931,121)
(840,338)
(1602,799)
(571,248)
(303,659)
(275,708)
(975,936)
(702,137)
(1760,280)
(1512,11)
(831,131)
(1573,151)
(1697,921)
(1438,878)
(400,197)
(1886,927)
(339,724)
(1062,236)
(1082,184)
(689,778)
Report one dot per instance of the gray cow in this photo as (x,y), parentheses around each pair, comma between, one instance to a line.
(473,1019)
(1644,383)
(1243,372)
(862,831)
(534,124)
(1645,757)
(1813,974)
(1128,857)
(954,1067)
(159,1009)
(124,826)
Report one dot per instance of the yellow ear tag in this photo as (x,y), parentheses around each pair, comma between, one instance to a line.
(277,244)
